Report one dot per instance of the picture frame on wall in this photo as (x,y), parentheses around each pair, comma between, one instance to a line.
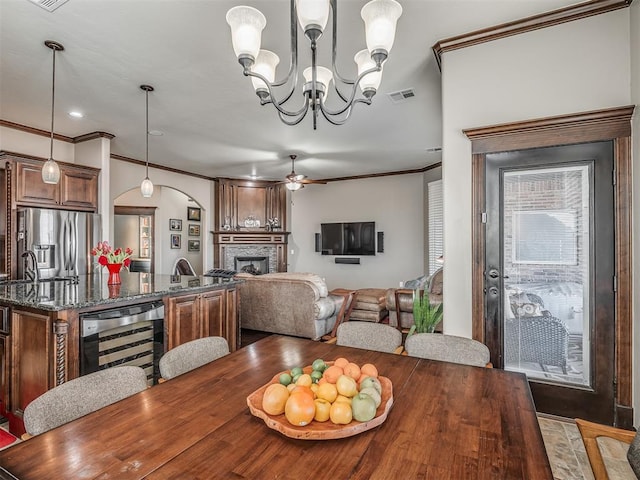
(175,224)
(194,246)
(194,230)
(176,240)
(193,213)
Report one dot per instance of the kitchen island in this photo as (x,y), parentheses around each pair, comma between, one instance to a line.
(41,337)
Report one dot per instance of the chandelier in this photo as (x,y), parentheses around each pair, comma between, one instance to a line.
(247,23)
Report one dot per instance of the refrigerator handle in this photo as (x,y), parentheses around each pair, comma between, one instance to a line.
(73,257)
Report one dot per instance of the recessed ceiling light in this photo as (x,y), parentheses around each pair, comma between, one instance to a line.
(155,133)
(253,177)
(75,114)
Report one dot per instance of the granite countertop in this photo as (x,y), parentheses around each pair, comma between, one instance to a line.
(92,290)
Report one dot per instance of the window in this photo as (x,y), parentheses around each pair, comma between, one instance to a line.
(435,227)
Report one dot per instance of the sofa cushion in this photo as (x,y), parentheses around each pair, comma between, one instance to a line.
(312,278)
(371,295)
(367,315)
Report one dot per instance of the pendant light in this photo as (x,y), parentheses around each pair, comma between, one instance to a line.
(50,169)
(146,187)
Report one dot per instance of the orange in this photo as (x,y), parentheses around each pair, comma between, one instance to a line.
(340,413)
(299,409)
(274,399)
(328,392)
(332,373)
(352,370)
(301,389)
(347,386)
(341,362)
(369,370)
(322,410)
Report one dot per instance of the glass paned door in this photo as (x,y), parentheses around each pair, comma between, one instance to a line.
(546,230)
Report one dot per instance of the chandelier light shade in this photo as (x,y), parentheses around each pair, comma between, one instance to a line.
(380,18)
(50,169)
(146,187)
(293,186)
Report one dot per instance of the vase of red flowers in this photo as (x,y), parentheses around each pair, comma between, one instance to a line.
(113,259)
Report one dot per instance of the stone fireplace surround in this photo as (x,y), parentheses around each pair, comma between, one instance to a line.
(269,251)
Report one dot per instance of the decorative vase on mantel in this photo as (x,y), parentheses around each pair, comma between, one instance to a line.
(114,273)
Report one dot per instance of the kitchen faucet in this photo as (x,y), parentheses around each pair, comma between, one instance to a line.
(33,273)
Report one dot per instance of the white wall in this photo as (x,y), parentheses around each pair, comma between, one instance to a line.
(573,67)
(635,99)
(126,176)
(395,203)
(17,141)
(169,203)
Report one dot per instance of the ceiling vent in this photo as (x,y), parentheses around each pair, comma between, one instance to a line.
(401,95)
(49,5)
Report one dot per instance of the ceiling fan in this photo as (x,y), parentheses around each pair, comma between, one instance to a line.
(296,181)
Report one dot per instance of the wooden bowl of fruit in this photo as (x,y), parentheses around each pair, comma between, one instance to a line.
(323,401)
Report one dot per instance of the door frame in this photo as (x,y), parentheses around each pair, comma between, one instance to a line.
(600,125)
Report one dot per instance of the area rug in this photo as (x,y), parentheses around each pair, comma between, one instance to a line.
(6,439)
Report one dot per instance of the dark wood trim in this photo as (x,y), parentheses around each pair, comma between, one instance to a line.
(610,124)
(582,127)
(21,156)
(62,138)
(161,167)
(624,274)
(383,174)
(478,233)
(528,24)
(129,210)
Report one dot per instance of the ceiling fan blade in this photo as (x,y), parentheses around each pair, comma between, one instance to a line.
(308,180)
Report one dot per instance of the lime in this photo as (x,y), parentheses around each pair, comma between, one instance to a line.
(316,375)
(285,379)
(319,365)
(296,377)
(296,371)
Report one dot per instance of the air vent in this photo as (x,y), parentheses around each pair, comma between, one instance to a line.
(49,5)
(401,95)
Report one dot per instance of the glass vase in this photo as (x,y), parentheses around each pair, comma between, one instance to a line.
(114,273)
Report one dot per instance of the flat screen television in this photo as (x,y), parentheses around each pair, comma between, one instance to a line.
(348,238)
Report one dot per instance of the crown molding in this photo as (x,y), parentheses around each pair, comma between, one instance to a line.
(528,24)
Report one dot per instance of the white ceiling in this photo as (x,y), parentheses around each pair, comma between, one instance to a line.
(210,117)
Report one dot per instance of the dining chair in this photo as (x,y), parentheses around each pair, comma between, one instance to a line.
(182,266)
(447,348)
(81,396)
(370,336)
(191,355)
(591,431)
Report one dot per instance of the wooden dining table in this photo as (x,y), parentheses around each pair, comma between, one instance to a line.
(448,421)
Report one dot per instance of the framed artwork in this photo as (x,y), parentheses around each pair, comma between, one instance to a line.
(194,230)
(176,240)
(194,245)
(193,213)
(175,224)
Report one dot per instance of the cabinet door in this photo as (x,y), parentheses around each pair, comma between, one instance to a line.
(30,188)
(231,316)
(4,374)
(212,309)
(183,320)
(78,188)
(32,358)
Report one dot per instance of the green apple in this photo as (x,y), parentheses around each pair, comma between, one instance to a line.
(363,407)
(319,365)
(371,382)
(373,393)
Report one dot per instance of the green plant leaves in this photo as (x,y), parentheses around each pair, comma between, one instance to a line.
(425,315)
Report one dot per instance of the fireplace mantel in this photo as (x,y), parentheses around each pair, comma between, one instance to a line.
(240,203)
(228,243)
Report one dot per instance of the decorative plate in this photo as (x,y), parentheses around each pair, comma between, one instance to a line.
(320,430)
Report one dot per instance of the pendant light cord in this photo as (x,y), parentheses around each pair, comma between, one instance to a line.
(147,134)
(53,99)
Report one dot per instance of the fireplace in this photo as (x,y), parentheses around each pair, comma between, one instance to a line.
(252,265)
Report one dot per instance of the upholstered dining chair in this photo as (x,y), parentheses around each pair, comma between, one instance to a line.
(191,355)
(80,396)
(447,348)
(370,336)
(591,431)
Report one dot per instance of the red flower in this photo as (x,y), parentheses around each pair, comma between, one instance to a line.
(127,262)
(102,260)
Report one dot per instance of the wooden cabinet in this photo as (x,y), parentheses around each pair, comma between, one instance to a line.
(32,367)
(77,189)
(206,314)
(4,374)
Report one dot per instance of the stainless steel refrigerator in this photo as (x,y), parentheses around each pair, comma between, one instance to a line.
(61,241)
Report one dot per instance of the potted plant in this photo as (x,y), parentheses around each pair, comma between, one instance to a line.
(426,316)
